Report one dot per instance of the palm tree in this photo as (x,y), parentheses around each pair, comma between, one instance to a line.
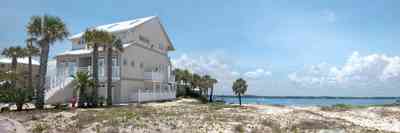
(14,53)
(30,51)
(48,30)
(213,82)
(115,45)
(94,39)
(178,75)
(206,83)
(196,82)
(83,83)
(239,88)
(186,77)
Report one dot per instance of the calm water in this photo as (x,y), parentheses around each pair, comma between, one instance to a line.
(306,101)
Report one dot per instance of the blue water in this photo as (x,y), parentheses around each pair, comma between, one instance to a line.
(305,101)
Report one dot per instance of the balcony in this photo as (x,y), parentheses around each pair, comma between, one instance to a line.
(153,76)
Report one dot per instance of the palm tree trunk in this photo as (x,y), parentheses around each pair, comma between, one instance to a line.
(19,106)
(240,100)
(30,78)
(95,72)
(211,94)
(109,74)
(44,54)
(14,63)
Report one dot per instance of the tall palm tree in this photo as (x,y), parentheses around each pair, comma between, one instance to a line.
(196,82)
(114,45)
(206,81)
(48,30)
(14,53)
(30,51)
(239,88)
(213,82)
(95,38)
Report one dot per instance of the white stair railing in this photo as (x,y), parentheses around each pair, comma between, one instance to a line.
(55,84)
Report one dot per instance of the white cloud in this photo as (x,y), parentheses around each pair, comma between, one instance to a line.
(257,74)
(371,71)
(220,69)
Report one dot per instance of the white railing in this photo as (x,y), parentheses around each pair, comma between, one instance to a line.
(55,84)
(85,69)
(140,95)
(154,76)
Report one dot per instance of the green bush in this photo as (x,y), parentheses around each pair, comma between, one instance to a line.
(18,96)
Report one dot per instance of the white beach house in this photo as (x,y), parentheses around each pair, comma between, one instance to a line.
(142,72)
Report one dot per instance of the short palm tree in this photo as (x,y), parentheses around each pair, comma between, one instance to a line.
(14,53)
(48,30)
(83,84)
(239,88)
(115,45)
(94,39)
(31,51)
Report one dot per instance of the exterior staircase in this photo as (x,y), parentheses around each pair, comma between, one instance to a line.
(59,90)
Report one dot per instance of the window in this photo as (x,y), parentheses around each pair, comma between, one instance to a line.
(125,62)
(101,68)
(161,46)
(141,65)
(115,69)
(144,39)
(133,64)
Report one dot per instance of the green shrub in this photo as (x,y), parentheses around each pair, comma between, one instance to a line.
(19,96)
(239,128)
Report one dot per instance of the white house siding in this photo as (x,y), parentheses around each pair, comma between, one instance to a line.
(138,58)
(141,57)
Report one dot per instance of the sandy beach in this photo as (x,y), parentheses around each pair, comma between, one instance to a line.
(189,115)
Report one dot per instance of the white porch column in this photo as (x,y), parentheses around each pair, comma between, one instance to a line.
(160,90)
(138,92)
(154,91)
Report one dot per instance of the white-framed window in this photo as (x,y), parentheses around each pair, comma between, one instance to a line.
(161,46)
(125,62)
(115,68)
(133,64)
(141,65)
(101,67)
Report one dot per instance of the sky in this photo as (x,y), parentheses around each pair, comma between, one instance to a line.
(281,48)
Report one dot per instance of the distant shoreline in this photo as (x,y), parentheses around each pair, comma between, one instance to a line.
(305,97)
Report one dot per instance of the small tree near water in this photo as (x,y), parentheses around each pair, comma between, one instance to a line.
(239,87)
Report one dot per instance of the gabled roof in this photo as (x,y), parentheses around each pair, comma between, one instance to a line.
(120,26)
(19,60)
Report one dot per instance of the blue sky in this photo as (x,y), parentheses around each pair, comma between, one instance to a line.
(281,38)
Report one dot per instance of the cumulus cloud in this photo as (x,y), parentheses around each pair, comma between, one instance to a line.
(375,70)
(257,74)
(219,68)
